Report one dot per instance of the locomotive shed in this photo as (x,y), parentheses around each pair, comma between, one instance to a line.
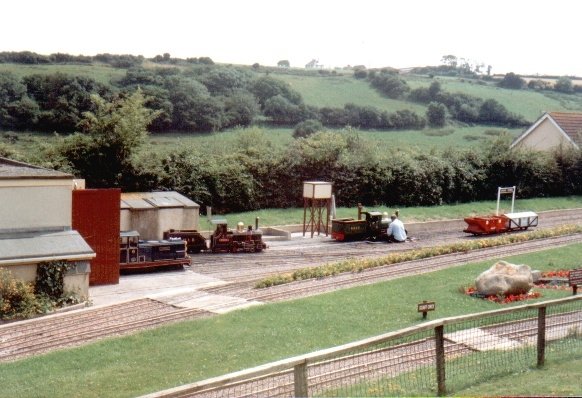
(218,283)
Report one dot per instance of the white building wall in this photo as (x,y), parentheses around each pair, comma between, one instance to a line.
(40,204)
(544,137)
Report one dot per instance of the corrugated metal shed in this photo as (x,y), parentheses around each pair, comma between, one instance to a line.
(152,213)
(147,200)
(37,246)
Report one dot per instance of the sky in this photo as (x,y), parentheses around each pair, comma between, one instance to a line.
(527,38)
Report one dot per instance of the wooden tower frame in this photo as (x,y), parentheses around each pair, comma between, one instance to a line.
(316,197)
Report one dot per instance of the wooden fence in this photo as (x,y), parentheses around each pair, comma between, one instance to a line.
(533,317)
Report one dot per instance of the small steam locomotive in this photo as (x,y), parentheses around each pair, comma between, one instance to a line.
(223,240)
(373,226)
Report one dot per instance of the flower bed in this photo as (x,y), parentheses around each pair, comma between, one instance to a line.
(554,280)
(501,298)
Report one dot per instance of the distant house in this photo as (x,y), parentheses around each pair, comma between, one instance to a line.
(36,224)
(551,130)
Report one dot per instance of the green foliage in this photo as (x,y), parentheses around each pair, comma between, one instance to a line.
(436,114)
(512,81)
(564,85)
(112,135)
(50,278)
(306,128)
(267,87)
(61,100)
(539,84)
(17,299)
(390,85)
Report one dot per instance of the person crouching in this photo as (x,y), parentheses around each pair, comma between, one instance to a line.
(396,231)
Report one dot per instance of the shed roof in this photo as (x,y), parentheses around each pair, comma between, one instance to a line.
(12,169)
(152,200)
(37,246)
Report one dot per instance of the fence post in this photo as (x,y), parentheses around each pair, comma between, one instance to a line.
(439,339)
(541,335)
(300,380)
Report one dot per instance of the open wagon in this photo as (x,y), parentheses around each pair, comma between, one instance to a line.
(508,222)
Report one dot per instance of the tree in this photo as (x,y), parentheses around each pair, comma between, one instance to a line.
(512,81)
(449,60)
(267,87)
(283,64)
(110,136)
(62,99)
(564,85)
(435,114)
(226,80)
(17,110)
(390,85)
(240,109)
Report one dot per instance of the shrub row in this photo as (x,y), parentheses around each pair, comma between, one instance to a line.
(258,176)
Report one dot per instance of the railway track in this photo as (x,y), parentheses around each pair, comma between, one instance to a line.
(21,339)
(71,329)
(388,362)
(318,286)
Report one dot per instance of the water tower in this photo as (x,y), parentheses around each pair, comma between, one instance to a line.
(316,197)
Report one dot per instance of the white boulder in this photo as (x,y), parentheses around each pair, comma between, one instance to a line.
(505,278)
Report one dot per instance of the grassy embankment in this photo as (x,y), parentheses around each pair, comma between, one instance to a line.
(273,217)
(199,349)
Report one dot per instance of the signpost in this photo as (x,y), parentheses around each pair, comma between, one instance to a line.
(505,190)
(575,279)
(426,306)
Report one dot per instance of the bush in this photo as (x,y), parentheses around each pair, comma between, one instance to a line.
(17,299)
(307,128)
(435,114)
(512,81)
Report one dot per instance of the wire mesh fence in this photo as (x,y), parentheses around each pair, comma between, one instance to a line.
(434,358)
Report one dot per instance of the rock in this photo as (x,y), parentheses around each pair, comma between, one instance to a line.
(536,275)
(505,278)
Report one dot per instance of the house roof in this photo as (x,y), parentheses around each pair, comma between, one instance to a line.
(37,246)
(12,169)
(153,200)
(568,123)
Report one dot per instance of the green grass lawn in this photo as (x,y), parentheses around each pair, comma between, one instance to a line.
(195,350)
(272,217)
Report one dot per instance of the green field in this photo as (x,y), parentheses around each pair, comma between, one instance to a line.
(100,73)
(336,91)
(195,350)
(222,143)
